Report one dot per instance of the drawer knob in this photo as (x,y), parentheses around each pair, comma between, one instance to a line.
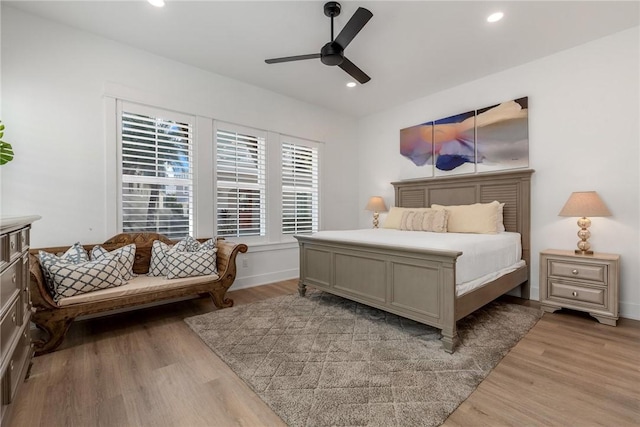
(13,278)
(574,293)
(13,244)
(13,318)
(11,365)
(574,271)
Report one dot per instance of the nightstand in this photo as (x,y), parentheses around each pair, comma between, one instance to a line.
(580,282)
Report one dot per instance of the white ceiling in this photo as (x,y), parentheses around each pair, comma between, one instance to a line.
(410,49)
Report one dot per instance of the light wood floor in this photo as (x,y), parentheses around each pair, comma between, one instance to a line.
(146,368)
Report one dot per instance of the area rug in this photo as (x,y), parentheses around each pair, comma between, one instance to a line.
(322,360)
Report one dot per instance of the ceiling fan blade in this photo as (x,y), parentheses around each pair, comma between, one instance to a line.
(354,71)
(353,27)
(292,58)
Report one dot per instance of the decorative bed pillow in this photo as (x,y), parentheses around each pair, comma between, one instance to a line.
(74,255)
(189,264)
(74,279)
(434,220)
(394,217)
(500,223)
(481,218)
(127,255)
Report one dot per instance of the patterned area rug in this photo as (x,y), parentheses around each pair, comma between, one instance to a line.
(323,360)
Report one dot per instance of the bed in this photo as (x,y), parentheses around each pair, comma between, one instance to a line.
(420,283)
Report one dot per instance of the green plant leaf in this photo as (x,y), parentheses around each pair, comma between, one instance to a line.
(6,152)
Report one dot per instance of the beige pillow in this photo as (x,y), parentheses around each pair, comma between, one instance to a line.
(481,218)
(394,217)
(500,224)
(426,219)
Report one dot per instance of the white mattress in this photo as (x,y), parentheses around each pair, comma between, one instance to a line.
(485,257)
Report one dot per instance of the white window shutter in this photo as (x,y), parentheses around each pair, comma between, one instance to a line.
(240,182)
(300,204)
(157,172)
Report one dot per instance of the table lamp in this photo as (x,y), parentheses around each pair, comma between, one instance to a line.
(376,205)
(583,204)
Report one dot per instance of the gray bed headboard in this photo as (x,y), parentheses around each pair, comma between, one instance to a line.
(513,188)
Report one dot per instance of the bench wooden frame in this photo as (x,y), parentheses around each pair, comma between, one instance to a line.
(55,320)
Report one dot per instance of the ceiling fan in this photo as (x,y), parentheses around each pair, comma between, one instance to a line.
(332,53)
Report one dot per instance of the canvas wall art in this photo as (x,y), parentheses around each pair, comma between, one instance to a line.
(488,139)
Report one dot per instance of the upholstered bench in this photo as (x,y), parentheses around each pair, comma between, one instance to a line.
(53,314)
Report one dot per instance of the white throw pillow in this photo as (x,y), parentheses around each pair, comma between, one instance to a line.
(190,264)
(126,254)
(159,253)
(74,279)
(74,255)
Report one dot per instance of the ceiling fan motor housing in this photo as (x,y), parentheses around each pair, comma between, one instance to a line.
(332,54)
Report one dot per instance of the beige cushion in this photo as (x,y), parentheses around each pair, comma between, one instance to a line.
(394,217)
(138,285)
(434,220)
(481,218)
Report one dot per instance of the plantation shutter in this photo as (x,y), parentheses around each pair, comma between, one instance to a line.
(240,182)
(157,171)
(299,189)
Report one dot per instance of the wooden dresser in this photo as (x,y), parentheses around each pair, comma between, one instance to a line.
(15,308)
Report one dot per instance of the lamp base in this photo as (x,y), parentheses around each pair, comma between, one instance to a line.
(579,252)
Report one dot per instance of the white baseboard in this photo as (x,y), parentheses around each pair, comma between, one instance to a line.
(629,310)
(263,279)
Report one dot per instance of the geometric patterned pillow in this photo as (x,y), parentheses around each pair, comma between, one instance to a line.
(73,279)
(127,255)
(190,264)
(158,263)
(74,255)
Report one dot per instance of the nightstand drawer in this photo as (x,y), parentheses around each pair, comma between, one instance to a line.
(576,293)
(583,270)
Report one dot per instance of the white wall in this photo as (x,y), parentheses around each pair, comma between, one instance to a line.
(54,83)
(583,135)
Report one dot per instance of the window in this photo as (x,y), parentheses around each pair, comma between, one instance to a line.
(299,188)
(240,181)
(156,161)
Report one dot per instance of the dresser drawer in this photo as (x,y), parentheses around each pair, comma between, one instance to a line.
(24,239)
(584,271)
(4,249)
(575,292)
(9,283)
(9,327)
(19,363)
(14,245)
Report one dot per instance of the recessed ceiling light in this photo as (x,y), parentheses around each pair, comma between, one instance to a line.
(351,84)
(156,3)
(495,17)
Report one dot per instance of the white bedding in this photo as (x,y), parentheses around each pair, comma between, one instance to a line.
(484,256)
